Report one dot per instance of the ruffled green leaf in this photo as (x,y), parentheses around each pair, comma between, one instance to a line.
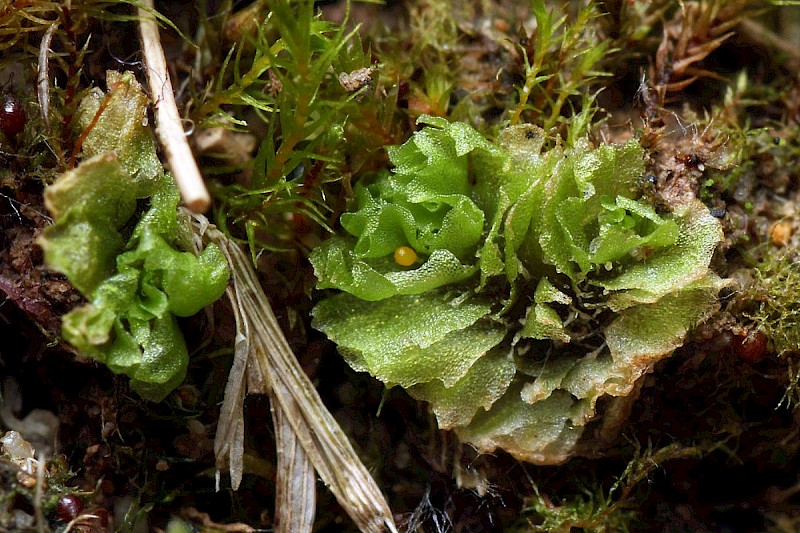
(551,375)
(407,340)
(129,324)
(543,322)
(547,293)
(485,382)
(337,266)
(580,182)
(508,185)
(164,358)
(673,267)
(446,222)
(433,161)
(424,204)
(120,125)
(136,277)
(93,208)
(644,333)
(539,433)
(627,226)
(637,339)
(567,228)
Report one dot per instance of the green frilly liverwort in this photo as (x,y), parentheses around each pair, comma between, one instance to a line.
(120,239)
(541,281)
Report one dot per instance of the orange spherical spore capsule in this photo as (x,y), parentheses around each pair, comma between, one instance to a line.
(405,256)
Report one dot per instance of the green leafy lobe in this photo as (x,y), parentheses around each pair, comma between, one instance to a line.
(137,281)
(521,251)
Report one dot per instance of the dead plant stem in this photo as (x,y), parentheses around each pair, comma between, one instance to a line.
(169,127)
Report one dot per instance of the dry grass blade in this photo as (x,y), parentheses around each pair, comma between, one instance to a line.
(697,29)
(229,440)
(296,480)
(169,127)
(42,81)
(264,357)
(695,54)
(295,499)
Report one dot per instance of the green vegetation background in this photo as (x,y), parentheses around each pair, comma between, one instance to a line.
(303,110)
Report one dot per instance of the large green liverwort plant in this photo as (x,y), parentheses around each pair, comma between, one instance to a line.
(138,270)
(542,281)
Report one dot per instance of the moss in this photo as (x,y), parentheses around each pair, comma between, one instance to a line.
(603,510)
(775,294)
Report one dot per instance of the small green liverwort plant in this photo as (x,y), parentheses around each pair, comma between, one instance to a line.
(542,281)
(138,269)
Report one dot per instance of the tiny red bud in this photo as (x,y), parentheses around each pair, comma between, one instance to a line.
(752,348)
(68,507)
(12,117)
